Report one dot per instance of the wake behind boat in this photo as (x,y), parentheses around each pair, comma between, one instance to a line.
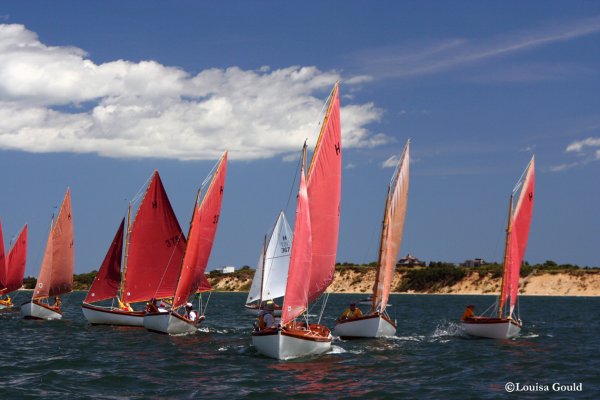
(191,279)
(378,323)
(56,272)
(505,324)
(314,248)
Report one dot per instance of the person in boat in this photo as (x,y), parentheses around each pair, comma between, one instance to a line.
(124,306)
(151,306)
(266,317)
(7,302)
(469,312)
(350,313)
(57,303)
(190,313)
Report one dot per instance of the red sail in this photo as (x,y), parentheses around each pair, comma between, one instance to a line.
(15,262)
(201,237)
(156,246)
(56,275)
(107,281)
(3,266)
(521,222)
(324,183)
(299,273)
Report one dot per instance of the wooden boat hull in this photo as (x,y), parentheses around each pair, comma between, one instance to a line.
(370,326)
(493,328)
(287,344)
(112,316)
(253,310)
(35,310)
(170,323)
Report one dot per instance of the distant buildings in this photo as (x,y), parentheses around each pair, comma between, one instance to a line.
(224,270)
(477,262)
(410,261)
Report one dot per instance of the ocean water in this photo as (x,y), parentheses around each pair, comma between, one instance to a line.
(430,357)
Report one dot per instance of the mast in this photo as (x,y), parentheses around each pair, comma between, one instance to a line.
(384,224)
(262,274)
(506,254)
(124,269)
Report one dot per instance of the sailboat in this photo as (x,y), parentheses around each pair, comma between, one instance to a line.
(314,247)
(378,323)
(201,235)
(505,324)
(11,276)
(153,250)
(56,273)
(272,269)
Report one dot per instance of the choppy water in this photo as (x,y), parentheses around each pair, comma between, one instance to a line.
(429,357)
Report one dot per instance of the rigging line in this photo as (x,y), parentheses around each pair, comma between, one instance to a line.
(287,204)
(207,300)
(169,263)
(323,307)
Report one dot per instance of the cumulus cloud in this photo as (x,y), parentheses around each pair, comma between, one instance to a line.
(55,99)
(588,150)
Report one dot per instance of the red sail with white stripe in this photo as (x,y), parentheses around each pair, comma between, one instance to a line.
(324,185)
(391,238)
(299,273)
(156,247)
(201,237)
(518,235)
(56,275)
(107,281)
(15,263)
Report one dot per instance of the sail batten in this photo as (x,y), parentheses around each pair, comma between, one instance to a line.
(201,237)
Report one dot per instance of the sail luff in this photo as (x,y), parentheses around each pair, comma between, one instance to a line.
(125,253)
(297,287)
(377,289)
(16,261)
(201,238)
(323,183)
(262,270)
(108,279)
(42,284)
(506,266)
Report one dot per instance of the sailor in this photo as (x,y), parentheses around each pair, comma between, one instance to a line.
(190,313)
(351,313)
(469,312)
(124,305)
(57,303)
(151,306)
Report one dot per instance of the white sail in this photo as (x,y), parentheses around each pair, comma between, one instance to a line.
(274,276)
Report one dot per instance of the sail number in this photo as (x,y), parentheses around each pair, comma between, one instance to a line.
(285,249)
(172,241)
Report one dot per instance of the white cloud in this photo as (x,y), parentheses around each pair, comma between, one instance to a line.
(581,145)
(435,57)
(55,99)
(391,162)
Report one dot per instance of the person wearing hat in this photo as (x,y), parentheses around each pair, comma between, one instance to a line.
(266,317)
(351,313)
(469,312)
(190,313)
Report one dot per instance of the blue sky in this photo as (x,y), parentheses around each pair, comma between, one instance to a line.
(96,96)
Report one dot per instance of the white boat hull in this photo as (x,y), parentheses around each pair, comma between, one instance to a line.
(35,310)
(371,326)
(170,323)
(112,316)
(282,346)
(493,328)
(255,311)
